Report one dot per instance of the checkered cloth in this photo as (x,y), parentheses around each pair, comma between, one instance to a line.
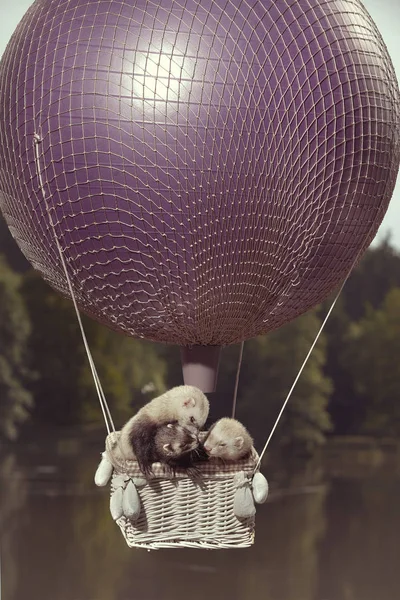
(214,467)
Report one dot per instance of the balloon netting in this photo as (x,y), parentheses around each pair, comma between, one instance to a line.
(212,168)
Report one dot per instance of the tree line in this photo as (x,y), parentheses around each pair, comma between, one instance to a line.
(350,385)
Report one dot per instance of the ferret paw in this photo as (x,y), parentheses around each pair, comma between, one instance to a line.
(194,473)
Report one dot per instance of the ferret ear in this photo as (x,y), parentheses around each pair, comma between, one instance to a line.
(167,447)
(239,441)
(189,402)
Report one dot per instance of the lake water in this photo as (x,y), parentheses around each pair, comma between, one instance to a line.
(326,533)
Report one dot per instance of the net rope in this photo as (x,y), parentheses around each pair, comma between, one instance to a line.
(102,399)
(109,423)
(209,176)
(212,167)
(320,330)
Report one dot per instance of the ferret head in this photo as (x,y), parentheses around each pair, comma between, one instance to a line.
(228,439)
(192,404)
(172,440)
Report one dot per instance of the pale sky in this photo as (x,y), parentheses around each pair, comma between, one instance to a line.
(386,14)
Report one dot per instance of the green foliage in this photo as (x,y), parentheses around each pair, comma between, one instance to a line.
(127,368)
(345,406)
(65,392)
(375,275)
(373,355)
(9,249)
(15,399)
(350,380)
(270,365)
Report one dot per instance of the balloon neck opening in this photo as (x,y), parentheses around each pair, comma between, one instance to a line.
(200,366)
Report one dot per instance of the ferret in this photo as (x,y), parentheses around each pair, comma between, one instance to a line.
(168,443)
(177,447)
(172,444)
(185,404)
(228,439)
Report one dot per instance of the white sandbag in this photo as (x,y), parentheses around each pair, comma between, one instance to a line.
(131,502)
(243,503)
(104,471)
(116,503)
(260,488)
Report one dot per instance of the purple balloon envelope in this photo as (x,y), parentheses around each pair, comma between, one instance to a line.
(212,168)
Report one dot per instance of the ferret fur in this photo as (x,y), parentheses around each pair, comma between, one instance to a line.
(184,404)
(167,442)
(176,446)
(228,439)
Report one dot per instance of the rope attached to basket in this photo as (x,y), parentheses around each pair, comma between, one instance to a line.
(237,379)
(100,393)
(101,396)
(297,378)
(37,140)
(306,360)
(154,527)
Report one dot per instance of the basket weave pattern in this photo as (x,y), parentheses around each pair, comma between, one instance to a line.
(179,512)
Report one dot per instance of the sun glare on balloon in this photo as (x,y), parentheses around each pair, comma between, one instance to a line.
(158,76)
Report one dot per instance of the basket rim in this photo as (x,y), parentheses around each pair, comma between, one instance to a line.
(214,467)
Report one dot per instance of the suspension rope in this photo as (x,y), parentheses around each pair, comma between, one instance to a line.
(298,376)
(237,379)
(308,356)
(101,396)
(100,393)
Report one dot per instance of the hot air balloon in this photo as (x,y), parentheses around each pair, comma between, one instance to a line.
(210,169)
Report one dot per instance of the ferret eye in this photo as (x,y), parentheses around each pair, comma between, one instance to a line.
(192,420)
(222,444)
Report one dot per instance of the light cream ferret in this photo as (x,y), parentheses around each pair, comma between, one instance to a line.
(228,439)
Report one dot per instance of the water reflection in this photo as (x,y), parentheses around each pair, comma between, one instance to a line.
(315,541)
(13,493)
(360,553)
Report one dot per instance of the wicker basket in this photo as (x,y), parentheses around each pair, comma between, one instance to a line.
(178,512)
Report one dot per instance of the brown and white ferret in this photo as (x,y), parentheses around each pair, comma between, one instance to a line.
(228,439)
(172,445)
(184,406)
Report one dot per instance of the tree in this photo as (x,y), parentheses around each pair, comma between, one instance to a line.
(64,391)
(377,273)
(9,249)
(345,405)
(130,370)
(15,398)
(373,360)
(270,365)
